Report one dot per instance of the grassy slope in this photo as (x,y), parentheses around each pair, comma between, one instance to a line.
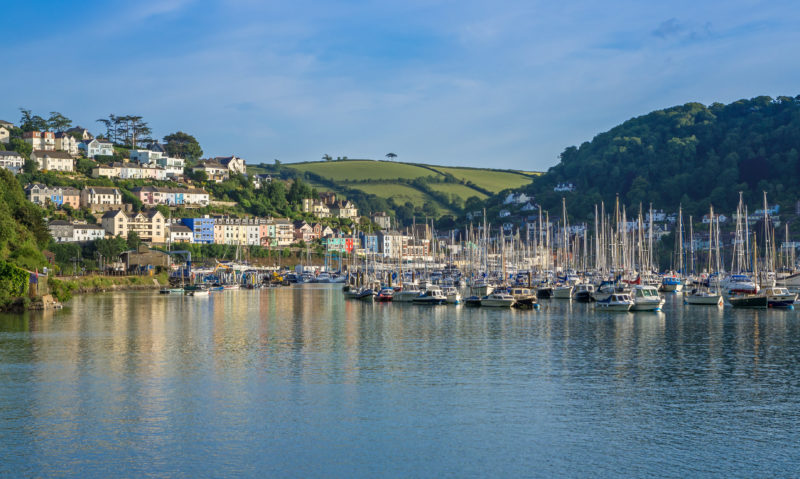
(492,180)
(400,193)
(362,170)
(461,190)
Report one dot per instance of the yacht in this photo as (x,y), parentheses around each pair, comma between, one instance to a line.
(703,297)
(739,284)
(646,298)
(407,293)
(497,299)
(432,295)
(779,297)
(615,302)
(524,298)
(452,294)
(583,293)
(385,295)
(562,291)
(671,283)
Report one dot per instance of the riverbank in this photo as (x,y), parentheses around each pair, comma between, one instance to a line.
(64,288)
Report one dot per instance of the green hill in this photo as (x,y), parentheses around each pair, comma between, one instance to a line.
(693,155)
(406,188)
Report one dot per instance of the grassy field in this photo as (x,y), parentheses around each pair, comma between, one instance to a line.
(400,193)
(462,191)
(362,170)
(491,180)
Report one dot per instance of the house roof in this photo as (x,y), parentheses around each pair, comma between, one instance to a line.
(103,190)
(112,213)
(178,228)
(52,154)
(10,153)
(59,223)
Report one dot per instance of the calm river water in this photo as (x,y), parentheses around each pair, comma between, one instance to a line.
(299,382)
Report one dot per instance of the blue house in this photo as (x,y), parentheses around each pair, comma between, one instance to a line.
(202,229)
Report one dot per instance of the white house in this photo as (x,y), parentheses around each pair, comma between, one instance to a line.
(179,233)
(12,161)
(5,135)
(40,140)
(82,232)
(95,147)
(561,187)
(53,160)
(66,142)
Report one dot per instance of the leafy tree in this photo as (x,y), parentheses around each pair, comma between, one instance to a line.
(21,147)
(391,156)
(31,122)
(30,167)
(133,241)
(327,157)
(58,122)
(183,145)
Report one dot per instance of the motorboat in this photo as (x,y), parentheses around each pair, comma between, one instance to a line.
(562,291)
(323,277)
(385,295)
(524,298)
(583,292)
(703,297)
(739,284)
(230,286)
(365,294)
(671,283)
(615,302)
(472,301)
(407,294)
(497,299)
(481,288)
(756,300)
(779,297)
(452,294)
(433,295)
(196,290)
(646,298)
(544,291)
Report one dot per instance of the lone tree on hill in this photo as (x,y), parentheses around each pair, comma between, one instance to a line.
(391,156)
(327,157)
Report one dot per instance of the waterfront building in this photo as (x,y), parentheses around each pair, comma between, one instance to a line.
(180,233)
(202,229)
(149,225)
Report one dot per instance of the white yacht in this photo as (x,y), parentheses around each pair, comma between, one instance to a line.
(615,302)
(452,294)
(497,299)
(646,298)
(407,294)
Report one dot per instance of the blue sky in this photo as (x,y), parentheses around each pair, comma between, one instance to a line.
(502,84)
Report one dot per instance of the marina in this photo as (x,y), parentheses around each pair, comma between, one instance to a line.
(299,380)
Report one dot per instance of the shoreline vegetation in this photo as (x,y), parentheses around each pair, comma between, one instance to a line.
(62,289)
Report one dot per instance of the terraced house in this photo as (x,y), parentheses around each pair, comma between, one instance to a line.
(94,147)
(155,195)
(58,196)
(101,198)
(53,160)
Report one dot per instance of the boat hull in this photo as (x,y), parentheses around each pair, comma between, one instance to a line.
(706,300)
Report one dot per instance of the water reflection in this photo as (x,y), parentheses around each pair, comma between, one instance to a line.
(298,381)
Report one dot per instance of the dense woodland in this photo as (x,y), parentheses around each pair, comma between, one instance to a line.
(693,155)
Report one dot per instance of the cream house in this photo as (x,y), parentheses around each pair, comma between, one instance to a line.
(53,160)
(5,135)
(66,142)
(40,140)
(101,198)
